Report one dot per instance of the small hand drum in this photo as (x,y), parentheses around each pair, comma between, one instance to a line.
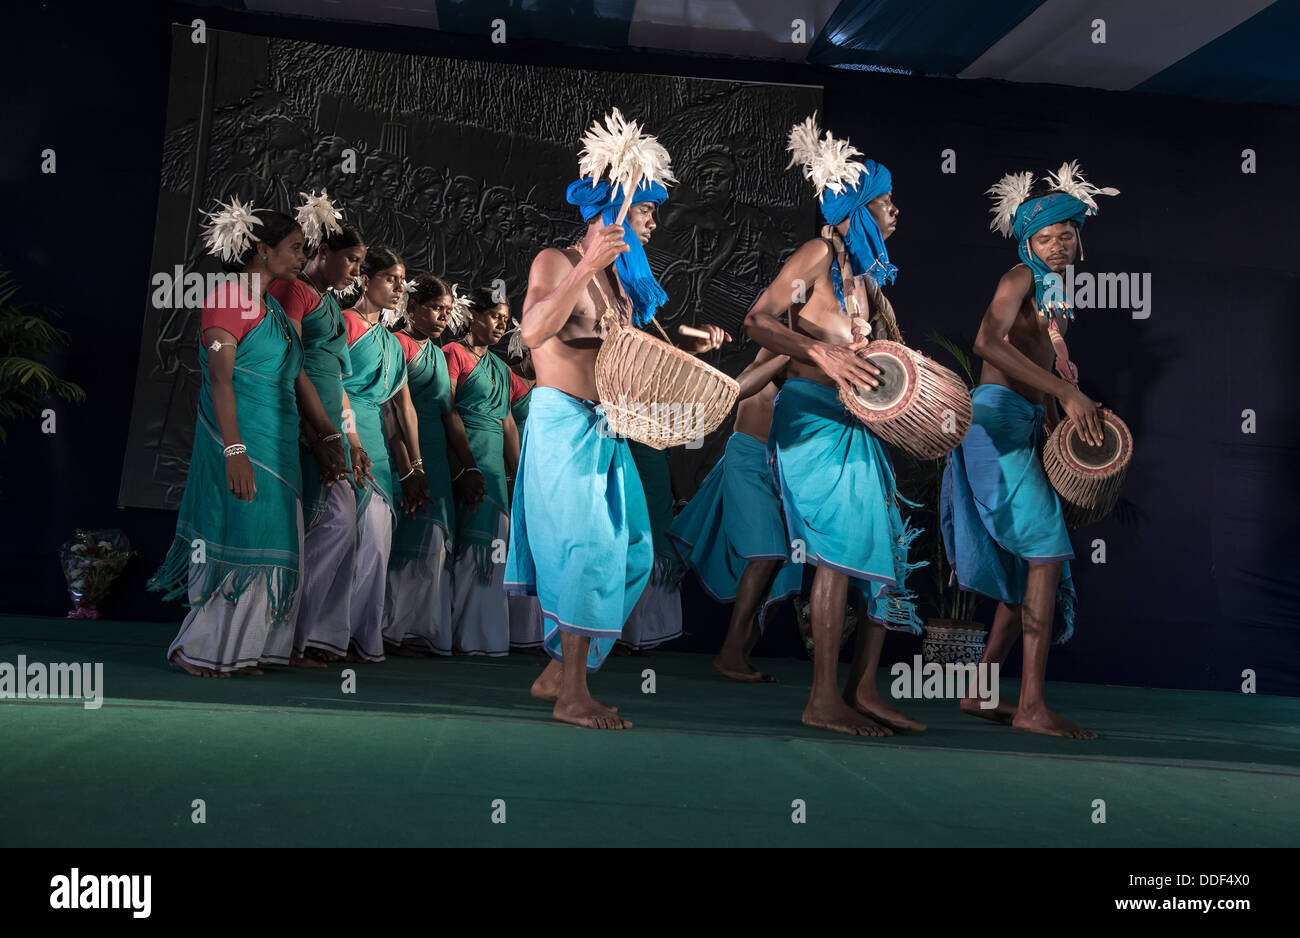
(920,406)
(1088,478)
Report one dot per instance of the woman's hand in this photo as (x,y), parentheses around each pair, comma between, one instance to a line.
(415,493)
(361,464)
(330,461)
(470,488)
(239,477)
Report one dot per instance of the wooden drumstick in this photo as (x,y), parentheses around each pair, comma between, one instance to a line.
(692,333)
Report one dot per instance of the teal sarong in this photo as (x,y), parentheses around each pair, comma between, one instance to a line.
(326,361)
(483,402)
(429,384)
(997,509)
(734,518)
(378,372)
(243,540)
(580,536)
(841,504)
(657,484)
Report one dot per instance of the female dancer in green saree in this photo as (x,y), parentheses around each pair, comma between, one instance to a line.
(480,386)
(417,616)
(238,545)
(329,509)
(378,375)
(527,629)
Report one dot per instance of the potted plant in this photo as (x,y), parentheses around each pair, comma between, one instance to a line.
(25,339)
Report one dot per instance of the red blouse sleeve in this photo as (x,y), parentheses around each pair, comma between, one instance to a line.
(356,325)
(458,362)
(409,345)
(232,308)
(517,387)
(296,297)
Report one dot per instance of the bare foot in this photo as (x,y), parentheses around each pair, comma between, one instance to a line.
(188,668)
(547,685)
(738,669)
(882,712)
(1049,723)
(352,656)
(250,670)
(322,654)
(302,661)
(832,713)
(590,714)
(1003,713)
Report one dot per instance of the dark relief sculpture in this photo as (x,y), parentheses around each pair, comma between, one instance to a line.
(461,166)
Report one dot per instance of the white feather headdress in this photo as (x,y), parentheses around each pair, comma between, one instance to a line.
(459,318)
(516,349)
(1070,181)
(827,162)
(318,217)
(229,231)
(623,154)
(395,315)
(1008,192)
(353,287)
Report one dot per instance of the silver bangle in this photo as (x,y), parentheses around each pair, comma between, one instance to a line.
(407,476)
(463,471)
(234,449)
(331,438)
(418,463)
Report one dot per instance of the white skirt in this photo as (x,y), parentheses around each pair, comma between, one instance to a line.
(370,578)
(419,600)
(331,546)
(480,617)
(527,629)
(656,618)
(226,636)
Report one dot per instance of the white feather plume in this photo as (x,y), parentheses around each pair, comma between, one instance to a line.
(620,152)
(459,318)
(516,349)
(1008,192)
(395,315)
(318,217)
(229,231)
(827,162)
(353,287)
(1070,181)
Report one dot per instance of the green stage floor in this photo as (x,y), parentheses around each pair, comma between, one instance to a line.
(418,755)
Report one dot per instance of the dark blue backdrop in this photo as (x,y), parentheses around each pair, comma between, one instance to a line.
(1201,583)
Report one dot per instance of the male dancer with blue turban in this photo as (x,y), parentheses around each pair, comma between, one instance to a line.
(1002,524)
(837,487)
(580,534)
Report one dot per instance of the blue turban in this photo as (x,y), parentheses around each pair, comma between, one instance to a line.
(632,266)
(1033,216)
(865,243)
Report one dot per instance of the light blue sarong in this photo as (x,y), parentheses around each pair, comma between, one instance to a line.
(841,503)
(580,536)
(734,518)
(997,509)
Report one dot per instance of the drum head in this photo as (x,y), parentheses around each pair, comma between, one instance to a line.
(1115,449)
(897,379)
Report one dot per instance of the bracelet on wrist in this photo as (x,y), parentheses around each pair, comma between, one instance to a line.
(234,449)
(328,439)
(407,476)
